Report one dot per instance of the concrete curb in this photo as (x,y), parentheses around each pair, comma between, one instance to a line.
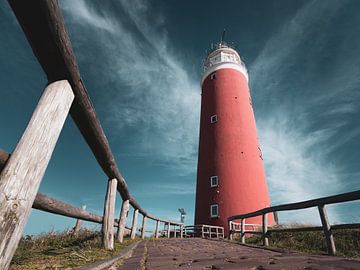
(106,263)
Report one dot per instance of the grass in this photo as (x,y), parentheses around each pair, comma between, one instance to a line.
(347,242)
(61,250)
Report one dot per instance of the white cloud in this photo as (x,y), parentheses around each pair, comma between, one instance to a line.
(296,158)
(160,98)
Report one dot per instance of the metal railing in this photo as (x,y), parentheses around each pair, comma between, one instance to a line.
(203,231)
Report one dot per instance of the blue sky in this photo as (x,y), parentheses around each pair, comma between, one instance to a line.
(141,62)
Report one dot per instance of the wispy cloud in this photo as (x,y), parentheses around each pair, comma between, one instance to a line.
(302,110)
(299,111)
(154,93)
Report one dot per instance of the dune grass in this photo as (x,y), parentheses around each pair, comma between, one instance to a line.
(61,250)
(347,242)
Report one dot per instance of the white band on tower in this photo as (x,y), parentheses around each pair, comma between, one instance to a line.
(223,57)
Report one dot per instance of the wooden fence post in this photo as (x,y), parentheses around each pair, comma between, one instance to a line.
(122,220)
(134,223)
(168,230)
(22,174)
(143,228)
(109,211)
(78,223)
(181,231)
(327,230)
(242,230)
(230,230)
(157,229)
(264,230)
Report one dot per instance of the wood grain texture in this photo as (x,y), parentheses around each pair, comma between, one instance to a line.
(143,227)
(44,27)
(134,224)
(122,220)
(49,204)
(157,229)
(168,230)
(22,174)
(242,228)
(4,156)
(344,197)
(264,230)
(327,230)
(108,218)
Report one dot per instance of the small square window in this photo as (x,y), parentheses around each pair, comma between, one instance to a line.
(214,210)
(213,118)
(214,181)
(213,76)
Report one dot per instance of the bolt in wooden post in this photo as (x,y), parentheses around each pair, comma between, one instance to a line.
(108,219)
(143,228)
(122,220)
(168,230)
(242,230)
(327,230)
(134,224)
(264,230)
(230,230)
(157,229)
(23,172)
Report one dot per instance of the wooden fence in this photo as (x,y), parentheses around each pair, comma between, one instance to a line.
(22,171)
(320,203)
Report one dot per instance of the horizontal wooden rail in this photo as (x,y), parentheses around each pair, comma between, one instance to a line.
(320,203)
(315,228)
(44,27)
(48,204)
(345,197)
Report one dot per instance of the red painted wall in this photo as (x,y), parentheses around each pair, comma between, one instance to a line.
(229,149)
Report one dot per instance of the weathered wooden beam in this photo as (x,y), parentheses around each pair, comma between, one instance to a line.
(264,230)
(43,25)
(168,230)
(77,226)
(230,237)
(157,229)
(134,223)
(4,156)
(122,220)
(109,212)
(143,227)
(242,228)
(327,230)
(344,197)
(20,179)
(48,204)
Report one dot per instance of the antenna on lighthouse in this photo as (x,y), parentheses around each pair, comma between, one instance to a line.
(222,37)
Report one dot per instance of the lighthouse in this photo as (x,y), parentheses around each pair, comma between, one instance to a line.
(230,174)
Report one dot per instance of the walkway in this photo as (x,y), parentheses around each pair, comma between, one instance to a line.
(202,254)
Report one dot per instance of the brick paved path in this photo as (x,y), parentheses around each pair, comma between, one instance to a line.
(167,254)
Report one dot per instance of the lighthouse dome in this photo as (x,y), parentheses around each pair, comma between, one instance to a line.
(223,56)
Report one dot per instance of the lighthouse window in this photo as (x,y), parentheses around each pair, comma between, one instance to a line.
(214,210)
(213,76)
(214,181)
(213,118)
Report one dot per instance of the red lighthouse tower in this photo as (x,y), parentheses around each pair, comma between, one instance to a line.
(230,177)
